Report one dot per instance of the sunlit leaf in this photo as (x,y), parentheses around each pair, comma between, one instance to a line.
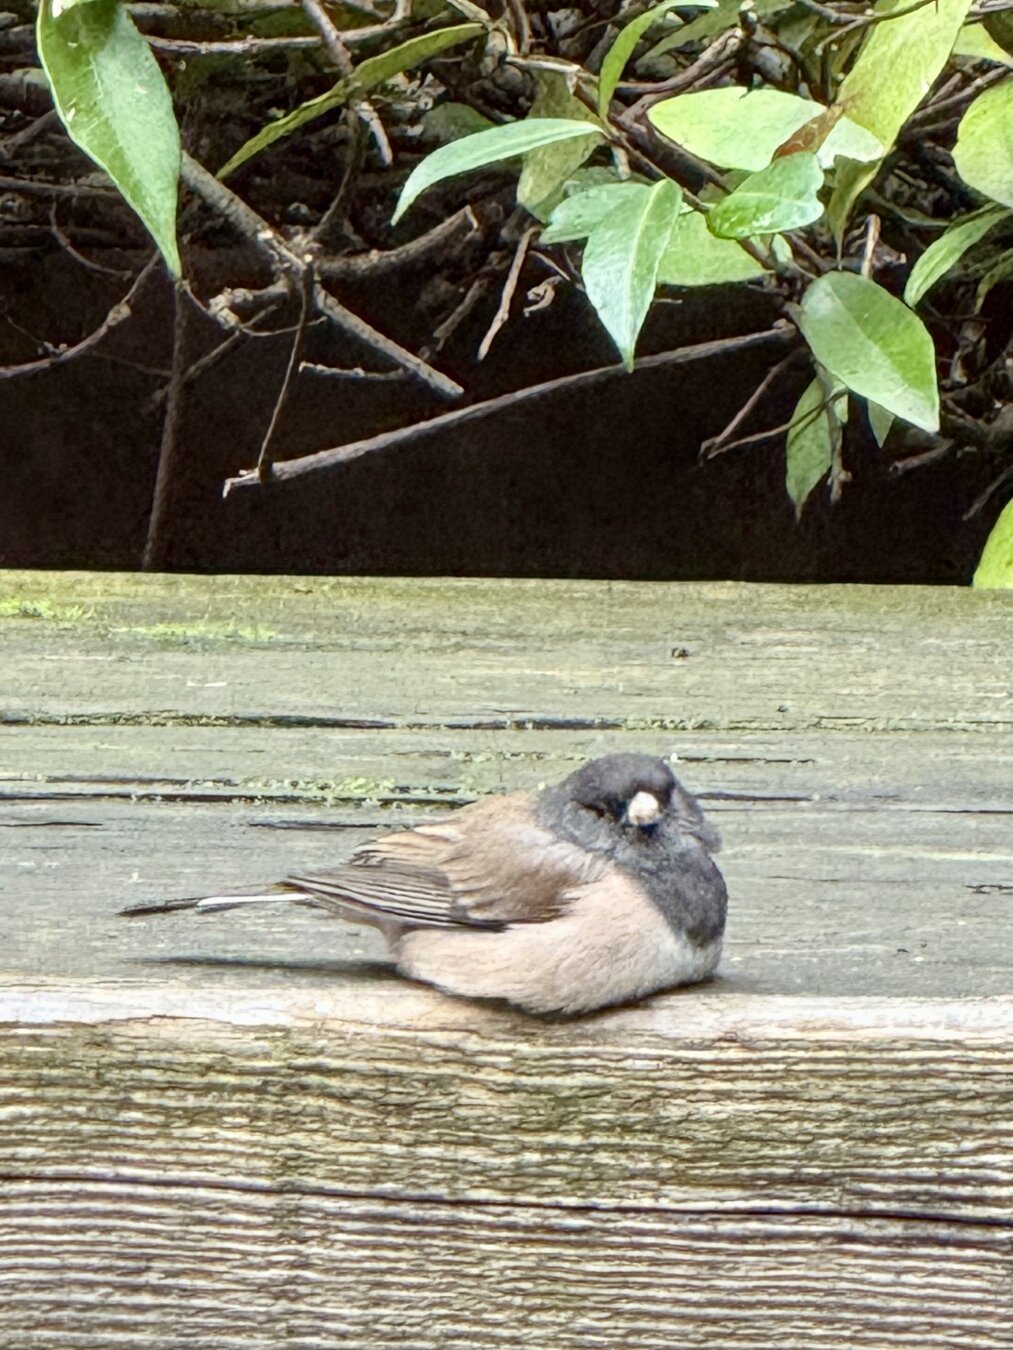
(695,257)
(112,99)
(948,249)
(621,260)
(781,197)
(983,153)
(873,344)
(484,148)
(366,75)
(995,570)
(738,128)
(974,41)
(815,427)
(880,421)
(575,217)
(896,67)
(547,168)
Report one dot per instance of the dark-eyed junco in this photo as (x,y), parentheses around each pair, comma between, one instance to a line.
(599,890)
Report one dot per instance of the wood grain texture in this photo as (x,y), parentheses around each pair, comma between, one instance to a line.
(249,1135)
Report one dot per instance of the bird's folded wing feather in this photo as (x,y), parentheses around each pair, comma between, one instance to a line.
(491,865)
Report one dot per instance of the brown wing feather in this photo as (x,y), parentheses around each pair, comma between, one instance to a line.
(489,865)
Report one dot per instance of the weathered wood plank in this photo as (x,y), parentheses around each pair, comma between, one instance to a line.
(242,1134)
(245,1269)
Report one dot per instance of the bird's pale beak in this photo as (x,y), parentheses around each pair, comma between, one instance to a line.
(644,809)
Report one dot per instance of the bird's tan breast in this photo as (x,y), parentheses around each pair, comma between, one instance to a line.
(610,945)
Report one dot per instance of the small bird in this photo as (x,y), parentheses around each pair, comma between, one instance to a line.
(596,891)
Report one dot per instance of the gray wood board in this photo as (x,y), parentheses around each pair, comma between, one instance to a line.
(164,736)
(241,1133)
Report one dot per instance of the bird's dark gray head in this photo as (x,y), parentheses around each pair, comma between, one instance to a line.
(631,794)
(611,785)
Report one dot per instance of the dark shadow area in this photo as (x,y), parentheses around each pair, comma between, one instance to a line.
(602,482)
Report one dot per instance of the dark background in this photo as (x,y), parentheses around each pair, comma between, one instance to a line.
(605,482)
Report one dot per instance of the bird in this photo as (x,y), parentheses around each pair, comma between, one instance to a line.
(598,890)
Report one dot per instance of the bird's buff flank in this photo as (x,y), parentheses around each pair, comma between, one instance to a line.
(598,890)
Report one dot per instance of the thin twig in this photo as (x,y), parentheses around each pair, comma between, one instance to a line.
(263,463)
(716,444)
(872,228)
(168,455)
(717,55)
(507,294)
(294,266)
(458,417)
(338,52)
(983,498)
(376,263)
(119,312)
(89,266)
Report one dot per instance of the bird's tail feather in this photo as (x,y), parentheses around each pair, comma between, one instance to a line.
(210,904)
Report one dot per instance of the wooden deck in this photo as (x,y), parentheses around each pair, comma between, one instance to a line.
(240,1131)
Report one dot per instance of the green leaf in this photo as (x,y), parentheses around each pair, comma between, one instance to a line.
(983,153)
(995,569)
(575,217)
(621,259)
(949,248)
(894,70)
(485,147)
(780,197)
(451,121)
(974,41)
(873,344)
(112,99)
(366,75)
(725,16)
(814,429)
(623,47)
(880,421)
(1000,271)
(695,257)
(738,128)
(999,26)
(548,168)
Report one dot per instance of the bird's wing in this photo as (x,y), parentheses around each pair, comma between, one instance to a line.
(491,864)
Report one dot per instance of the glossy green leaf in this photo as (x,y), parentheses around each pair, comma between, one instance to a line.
(1000,271)
(880,421)
(623,47)
(983,153)
(737,128)
(366,75)
(975,42)
(621,260)
(948,249)
(575,217)
(781,197)
(485,147)
(812,433)
(113,101)
(995,569)
(695,257)
(896,67)
(548,168)
(874,344)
